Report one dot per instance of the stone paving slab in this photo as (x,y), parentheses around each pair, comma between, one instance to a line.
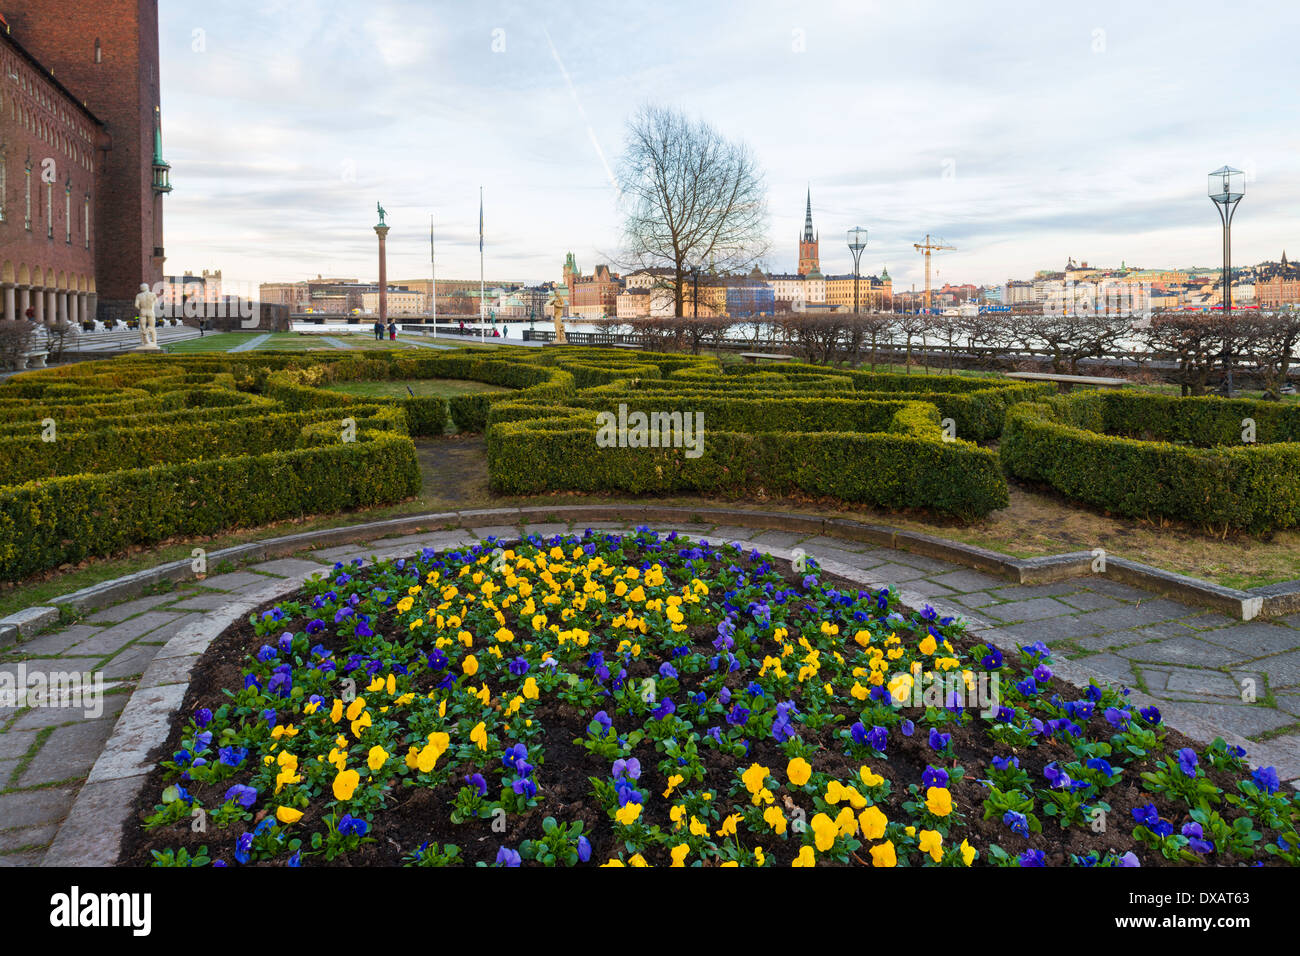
(31,808)
(233,580)
(69,752)
(203,601)
(1283,670)
(54,642)
(1214,683)
(1088,600)
(285,567)
(1184,650)
(120,612)
(1032,609)
(1256,638)
(113,638)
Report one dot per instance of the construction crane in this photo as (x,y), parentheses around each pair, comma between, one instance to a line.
(927,248)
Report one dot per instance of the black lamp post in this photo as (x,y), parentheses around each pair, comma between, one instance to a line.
(695,276)
(857,242)
(1226,188)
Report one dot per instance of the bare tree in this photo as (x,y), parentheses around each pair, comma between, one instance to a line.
(1270,341)
(912,324)
(693,198)
(1193,340)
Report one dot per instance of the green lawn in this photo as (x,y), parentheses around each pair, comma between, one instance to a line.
(440,387)
(212,342)
(312,342)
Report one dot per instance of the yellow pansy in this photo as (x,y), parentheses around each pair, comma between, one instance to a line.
(938,801)
(679,853)
(345,783)
(873,823)
(798,770)
(967,853)
(932,843)
(824,831)
(673,781)
(376,758)
(775,819)
(628,813)
(870,777)
(883,855)
(479,735)
(753,777)
(806,857)
(288,815)
(469,665)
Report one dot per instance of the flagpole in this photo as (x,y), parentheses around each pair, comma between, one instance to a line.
(433,281)
(482,331)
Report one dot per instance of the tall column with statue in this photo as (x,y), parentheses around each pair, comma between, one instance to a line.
(381,231)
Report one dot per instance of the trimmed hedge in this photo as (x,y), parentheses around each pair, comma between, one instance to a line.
(149,449)
(885,469)
(44,524)
(1253,487)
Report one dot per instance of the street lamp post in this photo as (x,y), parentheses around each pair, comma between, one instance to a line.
(695,275)
(1227,186)
(857,242)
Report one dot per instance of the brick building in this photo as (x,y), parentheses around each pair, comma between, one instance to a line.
(591,296)
(1276,285)
(86,103)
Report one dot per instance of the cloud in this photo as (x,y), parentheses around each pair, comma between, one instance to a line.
(1021,134)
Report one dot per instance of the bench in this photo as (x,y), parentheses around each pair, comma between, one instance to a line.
(31,359)
(1067,382)
(770,356)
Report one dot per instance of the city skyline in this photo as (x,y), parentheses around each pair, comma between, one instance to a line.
(1088,135)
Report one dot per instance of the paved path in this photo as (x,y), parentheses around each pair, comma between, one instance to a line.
(335,343)
(251,344)
(1194,661)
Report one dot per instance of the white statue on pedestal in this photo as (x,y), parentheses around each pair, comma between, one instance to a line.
(146,304)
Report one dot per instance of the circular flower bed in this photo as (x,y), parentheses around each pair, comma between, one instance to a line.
(632,700)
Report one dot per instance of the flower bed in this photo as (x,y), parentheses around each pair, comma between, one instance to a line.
(641,700)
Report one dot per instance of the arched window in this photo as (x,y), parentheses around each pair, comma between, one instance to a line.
(99,51)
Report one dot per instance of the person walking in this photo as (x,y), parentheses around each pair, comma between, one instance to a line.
(392,331)
(378,330)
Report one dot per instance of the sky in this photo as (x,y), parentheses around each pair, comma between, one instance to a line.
(1019,133)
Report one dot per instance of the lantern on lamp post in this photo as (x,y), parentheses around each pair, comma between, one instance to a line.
(857,242)
(1226,188)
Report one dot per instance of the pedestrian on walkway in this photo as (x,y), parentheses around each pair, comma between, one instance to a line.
(392,331)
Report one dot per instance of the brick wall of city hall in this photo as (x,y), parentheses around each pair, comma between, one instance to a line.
(106,53)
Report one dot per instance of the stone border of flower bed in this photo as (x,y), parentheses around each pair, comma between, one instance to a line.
(91,833)
(1269,601)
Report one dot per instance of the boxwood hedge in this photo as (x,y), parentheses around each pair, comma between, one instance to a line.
(1159,456)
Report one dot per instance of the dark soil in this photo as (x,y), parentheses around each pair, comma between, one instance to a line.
(415,816)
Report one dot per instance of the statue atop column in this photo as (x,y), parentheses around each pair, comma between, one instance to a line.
(382,213)
(146,304)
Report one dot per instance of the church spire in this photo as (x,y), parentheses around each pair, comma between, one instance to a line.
(807,219)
